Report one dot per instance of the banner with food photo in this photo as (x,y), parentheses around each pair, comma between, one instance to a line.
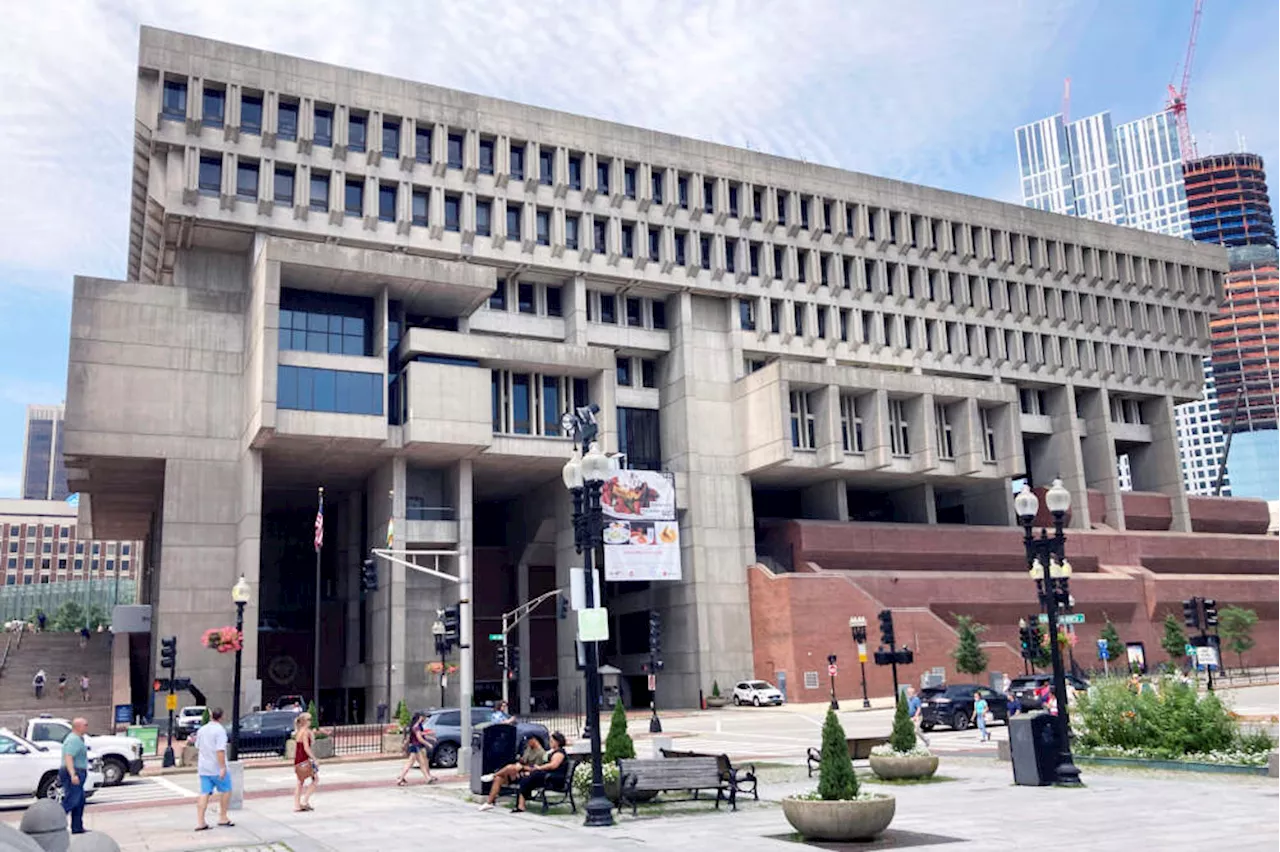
(641,536)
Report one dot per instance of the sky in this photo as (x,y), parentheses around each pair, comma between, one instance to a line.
(927,91)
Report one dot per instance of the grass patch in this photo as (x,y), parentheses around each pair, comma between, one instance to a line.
(872,778)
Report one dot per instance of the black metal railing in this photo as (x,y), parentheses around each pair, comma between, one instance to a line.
(356,739)
(567,719)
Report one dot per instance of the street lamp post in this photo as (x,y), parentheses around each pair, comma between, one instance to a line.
(240,595)
(1048,566)
(583,476)
(858,626)
(442,648)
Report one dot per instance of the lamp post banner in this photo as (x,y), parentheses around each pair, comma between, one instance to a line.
(641,536)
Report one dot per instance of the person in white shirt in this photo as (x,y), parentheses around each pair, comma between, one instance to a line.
(215,778)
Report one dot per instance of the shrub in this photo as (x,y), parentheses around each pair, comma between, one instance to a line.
(968,654)
(836,778)
(903,738)
(204,717)
(315,714)
(1235,625)
(1115,647)
(715,689)
(1174,641)
(1169,722)
(402,715)
(618,744)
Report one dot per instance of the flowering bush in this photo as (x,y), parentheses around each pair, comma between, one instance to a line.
(887,750)
(582,778)
(1066,638)
(435,667)
(224,640)
(1234,757)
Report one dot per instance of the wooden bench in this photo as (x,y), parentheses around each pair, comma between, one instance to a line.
(663,775)
(743,780)
(562,790)
(859,749)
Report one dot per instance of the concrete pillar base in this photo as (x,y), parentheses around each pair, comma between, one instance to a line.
(236,770)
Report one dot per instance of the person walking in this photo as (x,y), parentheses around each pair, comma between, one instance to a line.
(211,766)
(419,743)
(304,763)
(62,687)
(84,687)
(84,636)
(73,773)
(37,683)
(914,705)
(41,618)
(980,715)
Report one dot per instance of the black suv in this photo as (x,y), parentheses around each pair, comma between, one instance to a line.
(1023,688)
(953,706)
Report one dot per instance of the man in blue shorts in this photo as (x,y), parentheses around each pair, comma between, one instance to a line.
(215,778)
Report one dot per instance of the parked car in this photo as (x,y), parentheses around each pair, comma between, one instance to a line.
(447,725)
(953,706)
(291,702)
(1024,688)
(756,692)
(121,756)
(265,731)
(30,771)
(188,720)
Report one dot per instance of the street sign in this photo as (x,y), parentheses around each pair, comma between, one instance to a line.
(171,701)
(495,637)
(1103,653)
(1065,618)
(653,682)
(831,669)
(862,652)
(1189,649)
(593,624)
(1207,656)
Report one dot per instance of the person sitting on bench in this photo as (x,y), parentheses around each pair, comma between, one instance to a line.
(552,773)
(534,755)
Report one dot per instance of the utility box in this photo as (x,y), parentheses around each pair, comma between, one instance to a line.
(1033,745)
(493,746)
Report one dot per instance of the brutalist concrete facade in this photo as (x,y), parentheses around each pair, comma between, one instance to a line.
(797,328)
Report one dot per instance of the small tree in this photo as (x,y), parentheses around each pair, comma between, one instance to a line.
(69,618)
(96,616)
(715,689)
(968,655)
(903,737)
(402,715)
(836,778)
(1235,626)
(314,713)
(618,744)
(204,717)
(1174,641)
(1109,634)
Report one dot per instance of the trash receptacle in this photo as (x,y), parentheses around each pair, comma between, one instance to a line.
(493,746)
(1033,745)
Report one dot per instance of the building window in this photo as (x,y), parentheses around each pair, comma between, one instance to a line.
(747,314)
(422,144)
(421,206)
(757,204)
(731,255)
(803,434)
(353,197)
(455,151)
(325,322)
(942,426)
(779,262)
(602,177)
(782,208)
(656,179)
(251,114)
(125,549)
(708,195)
(704,252)
(513,222)
(390,138)
(173,102)
(988,436)
(682,191)
(775,316)
(215,107)
(648,373)
(753,257)
(211,174)
(247,180)
(850,425)
(628,240)
(608,308)
(658,313)
(387,202)
(571,224)
(624,371)
(575,171)
(680,248)
(320,192)
(655,241)
(629,181)
(531,403)
(323,135)
(498,299)
(798,312)
(357,132)
(484,217)
(804,212)
(733,200)
(525,303)
(542,222)
(899,441)
(282,191)
(287,121)
(337,391)
(554,304)
(639,437)
(546,166)
(599,235)
(452,213)
(486,156)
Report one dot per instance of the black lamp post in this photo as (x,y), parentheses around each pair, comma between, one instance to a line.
(858,627)
(239,594)
(1048,566)
(583,476)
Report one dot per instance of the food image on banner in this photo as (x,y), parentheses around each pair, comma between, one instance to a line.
(641,536)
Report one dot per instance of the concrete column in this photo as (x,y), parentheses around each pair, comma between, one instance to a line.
(386,501)
(914,505)
(1063,457)
(967,436)
(989,503)
(922,433)
(828,440)
(826,501)
(522,636)
(574,303)
(248,544)
(1098,452)
(1157,466)
(875,429)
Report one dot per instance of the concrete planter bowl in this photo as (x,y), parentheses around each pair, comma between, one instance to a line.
(857,819)
(322,748)
(896,766)
(718,701)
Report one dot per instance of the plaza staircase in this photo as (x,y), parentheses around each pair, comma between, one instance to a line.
(56,653)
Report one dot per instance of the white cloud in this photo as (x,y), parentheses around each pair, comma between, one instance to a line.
(908,93)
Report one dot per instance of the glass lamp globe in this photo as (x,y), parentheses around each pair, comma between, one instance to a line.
(240,591)
(596,466)
(1057,498)
(1026,503)
(572,471)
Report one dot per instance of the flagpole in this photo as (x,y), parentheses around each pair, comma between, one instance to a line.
(315,671)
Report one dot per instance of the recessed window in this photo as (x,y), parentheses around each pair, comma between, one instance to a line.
(628,240)
(546,166)
(753,255)
(211,173)
(338,391)
(251,114)
(798,313)
(782,207)
(648,373)
(422,144)
(215,107)
(421,206)
(757,204)
(655,239)
(325,322)
(778,262)
(498,299)
(850,425)
(682,191)
(283,185)
(571,225)
(513,222)
(624,371)
(608,308)
(602,177)
(455,150)
(634,315)
(599,235)
(803,425)
(575,171)
(554,304)
(484,217)
(658,313)
(681,240)
(542,220)
(452,213)
(733,200)
(353,197)
(320,192)
(942,432)
(525,303)
(629,181)
(357,132)
(804,212)
(657,186)
(988,435)
(826,216)
(899,428)
(709,196)
(704,252)
(287,121)
(746,315)
(173,101)
(390,138)
(323,135)
(517,161)
(486,156)
(387,202)
(731,255)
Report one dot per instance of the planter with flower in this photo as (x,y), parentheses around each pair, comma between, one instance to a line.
(838,810)
(393,735)
(716,699)
(224,640)
(617,746)
(904,756)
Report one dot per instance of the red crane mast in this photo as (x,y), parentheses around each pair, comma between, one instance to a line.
(1177,103)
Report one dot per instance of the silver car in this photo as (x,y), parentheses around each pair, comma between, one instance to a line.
(757,693)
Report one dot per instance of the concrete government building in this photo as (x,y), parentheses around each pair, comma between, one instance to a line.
(394,290)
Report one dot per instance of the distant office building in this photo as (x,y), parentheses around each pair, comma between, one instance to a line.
(1151,175)
(43,475)
(1227,200)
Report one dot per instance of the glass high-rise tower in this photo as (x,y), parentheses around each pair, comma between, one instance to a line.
(43,475)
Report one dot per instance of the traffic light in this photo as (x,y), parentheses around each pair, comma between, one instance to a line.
(831,659)
(160,684)
(655,631)
(169,652)
(1191,613)
(452,626)
(563,612)
(513,659)
(886,627)
(500,656)
(369,576)
(1024,638)
(1033,638)
(1210,612)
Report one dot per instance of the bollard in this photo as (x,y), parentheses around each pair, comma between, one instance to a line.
(45,822)
(235,770)
(12,840)
(94,841)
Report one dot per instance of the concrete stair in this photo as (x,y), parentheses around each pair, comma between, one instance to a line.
(57,653)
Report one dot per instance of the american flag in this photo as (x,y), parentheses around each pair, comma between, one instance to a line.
(320,523)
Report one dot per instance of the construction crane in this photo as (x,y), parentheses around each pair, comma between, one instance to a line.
(1177,103)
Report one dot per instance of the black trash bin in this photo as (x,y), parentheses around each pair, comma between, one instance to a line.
(493,746)
(1033,747)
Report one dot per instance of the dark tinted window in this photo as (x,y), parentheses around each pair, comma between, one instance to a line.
(338,391)
(390,138)
(287,126)
(251,113)
(357,131)
(323,135)
(452,718)
(455,150)
(422,144)
(639,437)
(215,107)
(174,99)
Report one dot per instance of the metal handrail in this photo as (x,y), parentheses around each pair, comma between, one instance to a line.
(4,659)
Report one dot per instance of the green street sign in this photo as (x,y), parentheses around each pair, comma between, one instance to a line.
(1067,618)
(495,637)
(1191,650)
